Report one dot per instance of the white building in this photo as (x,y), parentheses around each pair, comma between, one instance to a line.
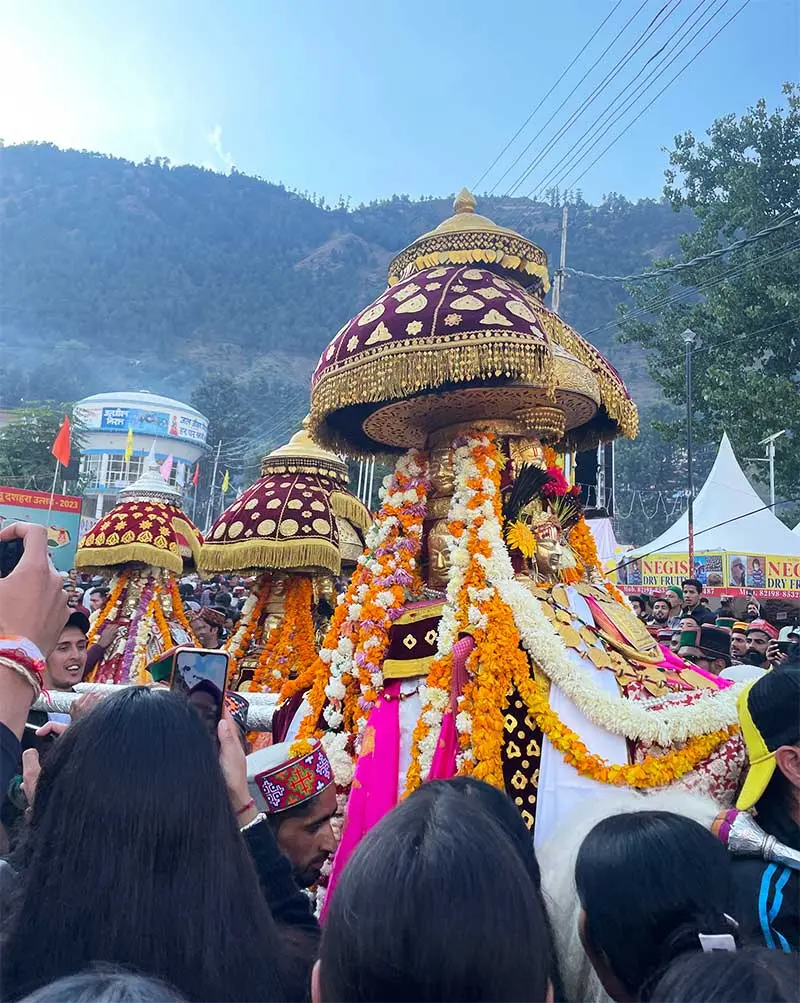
(175,429)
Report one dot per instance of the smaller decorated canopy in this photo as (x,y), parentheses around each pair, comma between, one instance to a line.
(297,516)
(145,526)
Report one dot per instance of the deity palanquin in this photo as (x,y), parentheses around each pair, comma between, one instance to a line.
(143,544)
(477,634)
(293,530)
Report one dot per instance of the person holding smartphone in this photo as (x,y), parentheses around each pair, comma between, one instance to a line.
(33,611)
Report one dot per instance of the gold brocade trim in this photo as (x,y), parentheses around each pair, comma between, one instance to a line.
(189,533)
(397,373)
(628,651)
(288,554)
(477,247)
(128,553)
(423,613)
(347,506)
(401,668)
(619,407)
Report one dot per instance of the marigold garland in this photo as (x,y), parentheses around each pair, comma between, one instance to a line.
(238,644)
(179,612)
(388,572)
(653,771)
(109,608)
(161,623)
(290,646)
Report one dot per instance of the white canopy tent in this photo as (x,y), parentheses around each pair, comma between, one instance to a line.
(728,503)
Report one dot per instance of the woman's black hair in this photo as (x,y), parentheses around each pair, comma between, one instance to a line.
(502,809)
(649,883)
(133,858)
(434,904)
(505,813)
(755,974)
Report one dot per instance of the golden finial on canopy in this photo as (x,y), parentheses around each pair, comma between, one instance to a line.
(465,201)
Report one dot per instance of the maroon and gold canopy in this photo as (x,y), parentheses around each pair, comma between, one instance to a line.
(290,518)
(453,344)
(145,526)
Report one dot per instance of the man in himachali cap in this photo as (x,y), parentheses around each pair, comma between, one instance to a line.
(299,796)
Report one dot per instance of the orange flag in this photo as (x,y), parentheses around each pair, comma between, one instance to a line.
(61,446)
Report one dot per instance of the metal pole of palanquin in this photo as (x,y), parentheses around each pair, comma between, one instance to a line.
(688,340)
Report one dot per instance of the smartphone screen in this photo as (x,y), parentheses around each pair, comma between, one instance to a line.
(202,677)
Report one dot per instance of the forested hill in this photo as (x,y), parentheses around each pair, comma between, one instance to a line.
(118,275)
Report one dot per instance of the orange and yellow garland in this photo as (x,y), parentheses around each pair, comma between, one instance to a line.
(290,647)
(108,609)
(653,771)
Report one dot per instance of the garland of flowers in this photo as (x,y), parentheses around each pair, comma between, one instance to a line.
(110,609)
(653,771)
(388,571)
(712,711)
(136,642)
(472,607)
(238,643)
(161,624)
(178,611)
(290,645)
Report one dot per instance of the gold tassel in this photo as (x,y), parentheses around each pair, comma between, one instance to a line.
(128,553)
(258,554)
(189,533)
(397,374)
(347,506)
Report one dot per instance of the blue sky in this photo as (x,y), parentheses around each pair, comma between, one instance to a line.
(368,99)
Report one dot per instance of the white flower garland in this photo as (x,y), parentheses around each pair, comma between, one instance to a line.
(235,639)
(632,719)
(629,718)
(341,658)
(435,700)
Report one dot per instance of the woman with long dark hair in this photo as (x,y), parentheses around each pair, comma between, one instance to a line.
(650,884)
(134,858)
(434,904)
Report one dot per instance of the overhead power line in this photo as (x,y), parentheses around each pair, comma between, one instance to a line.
(693,262)
(666,86)
(644,36)
(681,38)
(577,86)
(530,117)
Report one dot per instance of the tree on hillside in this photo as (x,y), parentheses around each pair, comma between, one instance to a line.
(26,441)
(745,305)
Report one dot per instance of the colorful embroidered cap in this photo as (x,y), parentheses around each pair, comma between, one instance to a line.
(740,627)
(237,706)
(765,627)
(769,716)
(212,615)
(280,781)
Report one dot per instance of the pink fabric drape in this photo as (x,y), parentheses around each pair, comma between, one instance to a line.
(374,789)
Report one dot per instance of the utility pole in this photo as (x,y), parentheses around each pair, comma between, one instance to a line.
(769,442)
(213,486)
(688,340)
(562,263)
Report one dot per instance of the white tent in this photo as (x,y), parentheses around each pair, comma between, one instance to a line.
(605,539)
(727,502)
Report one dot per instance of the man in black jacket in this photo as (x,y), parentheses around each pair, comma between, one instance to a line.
(769,894)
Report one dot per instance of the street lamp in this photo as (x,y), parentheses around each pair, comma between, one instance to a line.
(689,339)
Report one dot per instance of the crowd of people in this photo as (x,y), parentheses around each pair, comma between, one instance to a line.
(737,649)
(148,862)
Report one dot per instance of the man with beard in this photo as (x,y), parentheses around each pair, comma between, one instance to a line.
(299,798)
(759,634)
(660,615)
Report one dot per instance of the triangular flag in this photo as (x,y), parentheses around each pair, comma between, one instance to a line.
(226,482)
(166,467)
(196,475)
(129,445)
(61,446)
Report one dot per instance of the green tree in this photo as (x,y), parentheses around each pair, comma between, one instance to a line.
(745,305)
(26,441)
